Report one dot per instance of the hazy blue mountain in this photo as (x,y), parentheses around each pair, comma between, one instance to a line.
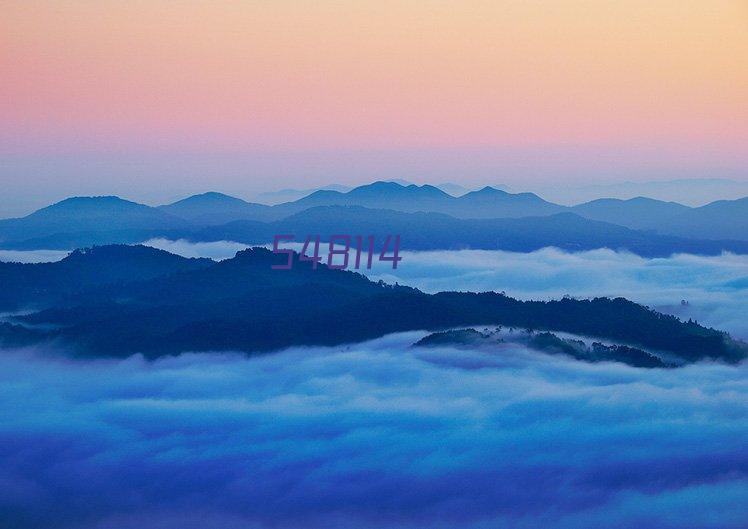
(450,188)
(721,219)
(490,202)
(90,214)
(290,195)
(638,213)
(485,203)
(216,208)
(724,219)
(24,285)
(692,192)
(432,231)
(377,195)
(106,218)
(242,304)
(457,190)
(486,218)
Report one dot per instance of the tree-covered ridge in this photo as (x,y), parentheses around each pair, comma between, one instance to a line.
(242,304)
(546,342)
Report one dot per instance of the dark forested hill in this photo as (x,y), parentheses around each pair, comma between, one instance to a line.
(243,304)
(29,285)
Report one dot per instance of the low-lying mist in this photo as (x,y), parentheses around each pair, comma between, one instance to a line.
(374,435)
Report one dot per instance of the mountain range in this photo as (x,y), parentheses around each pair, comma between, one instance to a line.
(158,304)
(289,195)
(484,203)
(436,231)
(487,218)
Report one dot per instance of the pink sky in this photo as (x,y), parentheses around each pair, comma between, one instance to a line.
(658,86)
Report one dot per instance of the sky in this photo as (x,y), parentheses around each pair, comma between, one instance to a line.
(153,100)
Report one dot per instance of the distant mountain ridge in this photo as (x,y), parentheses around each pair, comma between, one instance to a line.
(484,203)
(692,192)
(637,213)
(103,219)
(280,196)
(85,221)
(216,208)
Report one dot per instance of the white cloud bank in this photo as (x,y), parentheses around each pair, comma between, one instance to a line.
(375,435)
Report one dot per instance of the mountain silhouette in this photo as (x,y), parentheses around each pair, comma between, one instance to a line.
(105,218)
(216,208)
(636,213)
(488,218)
(242,304)
(485,203)
(33,285)
(436,231)
(721,219)
(289,195)
(724,219)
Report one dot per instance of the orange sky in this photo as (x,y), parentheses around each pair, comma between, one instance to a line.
(314,92)
(374,74)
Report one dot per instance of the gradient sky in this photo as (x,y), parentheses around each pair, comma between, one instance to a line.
(154,99)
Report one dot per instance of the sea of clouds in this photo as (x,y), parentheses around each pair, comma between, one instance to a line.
(382,435)
(374,435)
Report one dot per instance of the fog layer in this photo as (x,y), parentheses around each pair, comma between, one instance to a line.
(373,435)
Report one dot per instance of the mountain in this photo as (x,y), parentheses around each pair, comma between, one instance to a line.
(689,191)
(578,348)
(419,230)
(24,285)
(488,218)
(216,208)
(637,213)
(242,304)
(292,195)
(721,219)
(450,188)
(289,195)
(436,231)
(485,203)
(457,190)
(91,219)
(376,195)
(724,219)
(490,202)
